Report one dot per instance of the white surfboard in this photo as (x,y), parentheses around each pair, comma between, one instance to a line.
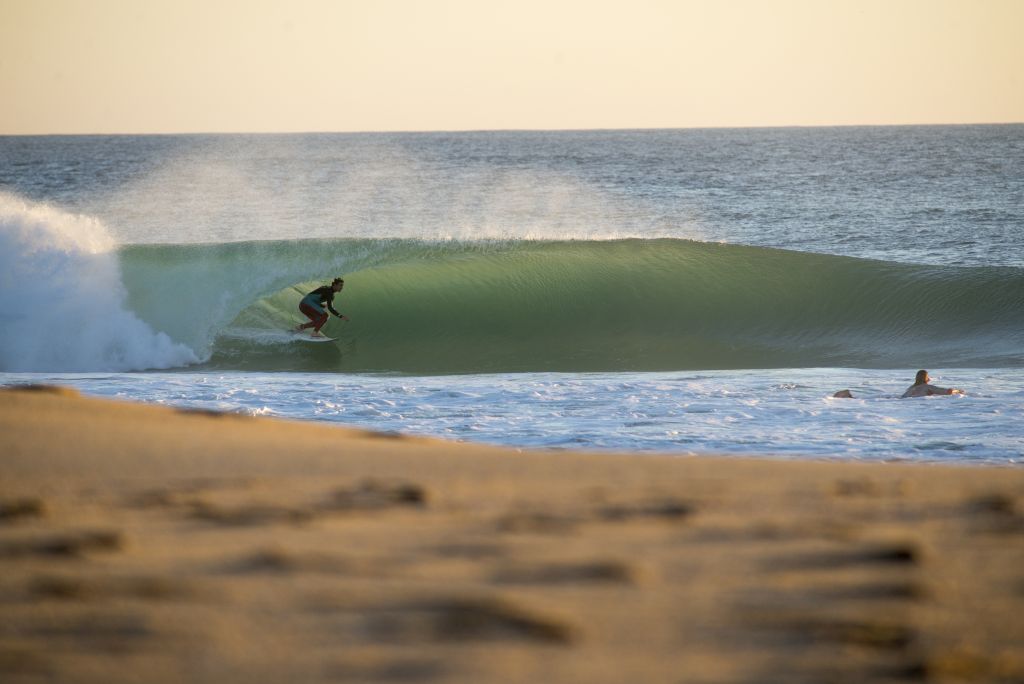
(306,337)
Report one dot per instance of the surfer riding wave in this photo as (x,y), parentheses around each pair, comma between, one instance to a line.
(313,304)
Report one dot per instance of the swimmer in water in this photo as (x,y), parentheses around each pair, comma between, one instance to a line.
(921,388)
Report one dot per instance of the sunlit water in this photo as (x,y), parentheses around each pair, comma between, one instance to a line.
(938,196)
(778,412)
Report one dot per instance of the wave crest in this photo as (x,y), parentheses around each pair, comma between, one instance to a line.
(62,302)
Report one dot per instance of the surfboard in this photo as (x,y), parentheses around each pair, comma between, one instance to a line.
(306,337)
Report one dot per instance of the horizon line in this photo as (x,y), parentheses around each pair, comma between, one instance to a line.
(513,130)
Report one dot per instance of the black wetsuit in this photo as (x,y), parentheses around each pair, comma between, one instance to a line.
(321,297)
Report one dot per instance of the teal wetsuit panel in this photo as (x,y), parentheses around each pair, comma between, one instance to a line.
(313,300)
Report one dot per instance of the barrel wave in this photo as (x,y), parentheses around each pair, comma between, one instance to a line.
(612,305)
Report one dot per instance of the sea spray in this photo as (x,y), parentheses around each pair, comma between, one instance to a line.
(62,302)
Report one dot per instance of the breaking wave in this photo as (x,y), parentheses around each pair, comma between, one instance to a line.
(62,302)
(664,304)
(72,300)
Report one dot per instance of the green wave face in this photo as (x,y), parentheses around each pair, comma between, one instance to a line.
(603,306)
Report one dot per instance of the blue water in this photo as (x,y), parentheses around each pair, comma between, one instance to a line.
(489,276)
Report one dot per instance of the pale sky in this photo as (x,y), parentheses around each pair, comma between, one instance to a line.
(161,66)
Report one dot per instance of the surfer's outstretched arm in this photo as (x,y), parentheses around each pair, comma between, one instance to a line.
(336,286)
(340,315)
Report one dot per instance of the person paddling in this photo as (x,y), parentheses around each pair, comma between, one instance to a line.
(312,305)
(921,388)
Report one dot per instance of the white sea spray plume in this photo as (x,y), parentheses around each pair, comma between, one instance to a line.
(227,190)
(62,303)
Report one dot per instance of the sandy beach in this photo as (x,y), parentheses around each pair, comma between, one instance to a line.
(143,543)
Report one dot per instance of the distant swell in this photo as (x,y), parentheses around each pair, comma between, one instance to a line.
(665,304)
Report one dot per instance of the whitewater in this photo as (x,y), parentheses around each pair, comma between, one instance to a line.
(669,291)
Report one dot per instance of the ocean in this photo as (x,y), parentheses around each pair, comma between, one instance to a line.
(667,291)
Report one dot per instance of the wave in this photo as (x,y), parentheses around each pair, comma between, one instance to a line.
(662,304)
(70,299)
(62,303)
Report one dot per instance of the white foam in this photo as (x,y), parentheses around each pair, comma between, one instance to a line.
(62,302)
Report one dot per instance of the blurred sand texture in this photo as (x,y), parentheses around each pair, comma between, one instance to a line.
(148,544)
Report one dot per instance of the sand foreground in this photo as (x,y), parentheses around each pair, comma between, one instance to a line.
(142,543)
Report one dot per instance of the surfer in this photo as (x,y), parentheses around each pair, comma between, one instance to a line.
(921,388)
(312,305)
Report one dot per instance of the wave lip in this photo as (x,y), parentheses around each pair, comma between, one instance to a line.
(62,302)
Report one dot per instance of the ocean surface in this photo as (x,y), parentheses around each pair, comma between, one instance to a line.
(676,291)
